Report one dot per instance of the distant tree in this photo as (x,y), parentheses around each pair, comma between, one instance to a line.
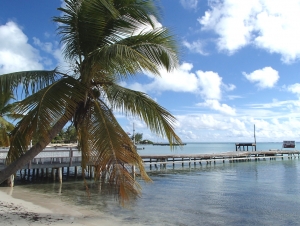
(137,137)
(146,142)
(71,135)
(68,135)
(59,138)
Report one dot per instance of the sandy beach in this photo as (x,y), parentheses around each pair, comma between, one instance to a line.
(20,207)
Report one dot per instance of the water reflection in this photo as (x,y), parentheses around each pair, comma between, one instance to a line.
(243,193)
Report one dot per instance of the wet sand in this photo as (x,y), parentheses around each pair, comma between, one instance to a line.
(21,207)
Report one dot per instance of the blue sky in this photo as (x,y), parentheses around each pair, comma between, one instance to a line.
(239,65)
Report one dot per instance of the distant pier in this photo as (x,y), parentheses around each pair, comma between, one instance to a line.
(239,146)
(52,161)
(167,144)
(164,160)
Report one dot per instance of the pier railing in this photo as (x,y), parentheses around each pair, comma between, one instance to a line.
(56,156)
(67,156)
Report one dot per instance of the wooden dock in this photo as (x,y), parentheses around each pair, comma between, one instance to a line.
(54,159)
(164,160)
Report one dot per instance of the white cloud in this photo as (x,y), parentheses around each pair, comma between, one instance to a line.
(295,88)
(180,80)
(229,87)
(217,106)
(210,84)
(276,108)
(196,46)
(189,4)
(55,50)
(16,54)
(273,25)
(206,83)
(270,124)
(220,127)
(265,78)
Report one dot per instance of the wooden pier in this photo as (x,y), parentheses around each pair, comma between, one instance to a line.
(54,159)
(239,146)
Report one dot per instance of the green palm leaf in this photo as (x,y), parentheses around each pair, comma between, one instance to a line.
(110,149)
(42,110)
(158,119)
(6,113)
(149,51)
(31,81)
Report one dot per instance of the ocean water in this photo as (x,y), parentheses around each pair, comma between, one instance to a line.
(265,192)
(204,148)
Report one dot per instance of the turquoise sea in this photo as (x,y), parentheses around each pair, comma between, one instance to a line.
(265,192)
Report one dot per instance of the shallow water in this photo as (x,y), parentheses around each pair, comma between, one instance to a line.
(265,192)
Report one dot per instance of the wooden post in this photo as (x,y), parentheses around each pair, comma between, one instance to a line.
(71,156)
(60,174)
(133,171)
(92,171)
(42,172)
(11,181)
(28,176)
(68,172)
(53,174)
(47,172)
(76,169)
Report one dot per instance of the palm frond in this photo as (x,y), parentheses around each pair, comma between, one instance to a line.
(30,81)
(42,110)
(158,119)
(149,51)
(88,25)
(110,149)
(81,25)
(4,138)
(4,124)
(6,113)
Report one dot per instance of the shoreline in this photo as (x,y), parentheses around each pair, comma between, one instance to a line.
(20,207)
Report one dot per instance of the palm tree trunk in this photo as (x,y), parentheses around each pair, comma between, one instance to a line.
(32,152)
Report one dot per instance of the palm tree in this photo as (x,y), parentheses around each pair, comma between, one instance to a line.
(103,40)
(5,112)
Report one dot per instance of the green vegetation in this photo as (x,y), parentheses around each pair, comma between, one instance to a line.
(137,137)
(66,136)
(146,142)
(101,42)
(5,112)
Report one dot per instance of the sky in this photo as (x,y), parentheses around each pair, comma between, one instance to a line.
(239,65)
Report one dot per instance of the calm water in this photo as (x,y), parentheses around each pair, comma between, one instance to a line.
(202,148)
(245,193)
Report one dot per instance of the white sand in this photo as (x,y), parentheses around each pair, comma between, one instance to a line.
(20,207)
